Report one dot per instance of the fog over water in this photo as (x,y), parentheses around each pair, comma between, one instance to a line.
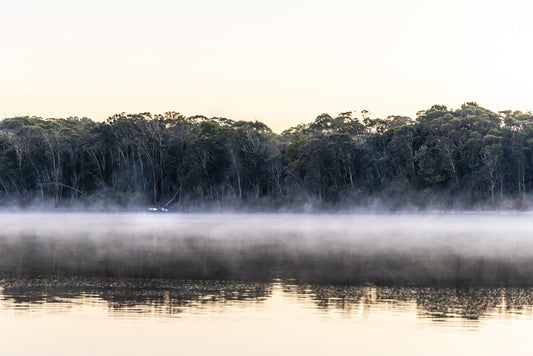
(492,249)
(265,284)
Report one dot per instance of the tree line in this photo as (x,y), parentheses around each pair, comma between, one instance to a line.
(446,158)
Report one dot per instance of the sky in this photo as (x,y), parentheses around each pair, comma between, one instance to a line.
(279,62)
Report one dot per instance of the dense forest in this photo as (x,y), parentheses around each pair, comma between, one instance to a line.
(466,158)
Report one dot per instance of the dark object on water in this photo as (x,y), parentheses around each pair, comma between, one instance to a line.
(157,210)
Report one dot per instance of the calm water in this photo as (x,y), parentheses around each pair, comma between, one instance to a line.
(94,316)
(134,284)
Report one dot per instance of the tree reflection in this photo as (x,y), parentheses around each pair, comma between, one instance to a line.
(171,297)
(151,295)
(435,303)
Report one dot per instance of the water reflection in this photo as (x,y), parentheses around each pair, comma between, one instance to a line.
(434,303)
(166,297)
(171,297)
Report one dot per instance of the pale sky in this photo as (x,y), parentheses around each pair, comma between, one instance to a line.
(280,62)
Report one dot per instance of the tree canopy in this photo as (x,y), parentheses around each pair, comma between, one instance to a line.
(446,158)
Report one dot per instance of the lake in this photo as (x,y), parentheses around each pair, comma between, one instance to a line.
(263,284)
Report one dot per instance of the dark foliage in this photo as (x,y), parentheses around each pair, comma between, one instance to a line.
(445,158)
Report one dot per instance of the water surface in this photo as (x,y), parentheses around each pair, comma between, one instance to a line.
(90,316)
(230,284)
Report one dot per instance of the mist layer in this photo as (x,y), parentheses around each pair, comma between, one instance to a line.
(452,250)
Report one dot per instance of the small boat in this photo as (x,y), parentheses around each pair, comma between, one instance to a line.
(157,210)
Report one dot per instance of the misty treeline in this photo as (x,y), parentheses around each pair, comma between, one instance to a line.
(459,158)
